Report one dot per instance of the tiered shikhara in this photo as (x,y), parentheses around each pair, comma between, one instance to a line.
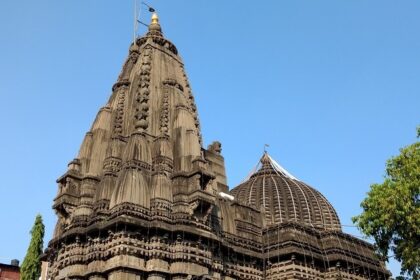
(145,200)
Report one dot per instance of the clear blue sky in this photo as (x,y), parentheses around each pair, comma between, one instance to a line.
(332,86)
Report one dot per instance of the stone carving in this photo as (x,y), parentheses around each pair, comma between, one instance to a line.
(112,165)
(215,147)
(143,92)
(121,83)
(165,43)
(192,207)
(173,83)
(276,227)
(191,105)
(164,114)
(120,110)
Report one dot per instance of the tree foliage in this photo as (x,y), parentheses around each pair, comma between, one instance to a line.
(31,266)
(391,211)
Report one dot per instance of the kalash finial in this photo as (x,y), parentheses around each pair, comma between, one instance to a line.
(154,26)
(155,18)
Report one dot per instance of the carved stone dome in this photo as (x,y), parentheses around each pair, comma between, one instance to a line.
(282,198)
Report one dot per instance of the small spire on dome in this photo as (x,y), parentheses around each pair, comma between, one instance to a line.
(267,162)
(265,159)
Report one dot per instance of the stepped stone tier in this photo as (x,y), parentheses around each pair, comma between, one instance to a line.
(144,199)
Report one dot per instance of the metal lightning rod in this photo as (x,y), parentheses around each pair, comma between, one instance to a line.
(135,21)
(137,9)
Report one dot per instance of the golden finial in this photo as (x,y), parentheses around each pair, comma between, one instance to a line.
(155,19)
(154,26)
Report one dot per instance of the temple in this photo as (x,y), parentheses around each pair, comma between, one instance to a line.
(144,200)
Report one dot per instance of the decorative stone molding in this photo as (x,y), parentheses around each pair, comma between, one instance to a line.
(143,91)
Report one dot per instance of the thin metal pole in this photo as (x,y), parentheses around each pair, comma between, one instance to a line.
(135,22)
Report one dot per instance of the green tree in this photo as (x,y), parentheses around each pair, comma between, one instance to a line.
(31,266)
(391,211)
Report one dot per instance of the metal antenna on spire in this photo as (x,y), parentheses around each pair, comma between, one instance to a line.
(265,148)
(136,13)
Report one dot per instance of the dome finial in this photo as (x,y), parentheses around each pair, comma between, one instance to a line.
(154,26)
(155,18)
(265,148)
(265,159)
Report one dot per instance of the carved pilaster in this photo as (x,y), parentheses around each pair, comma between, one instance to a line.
(121,88)
(142,108)
(87,192)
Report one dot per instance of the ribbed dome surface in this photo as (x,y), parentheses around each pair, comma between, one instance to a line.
(283,198)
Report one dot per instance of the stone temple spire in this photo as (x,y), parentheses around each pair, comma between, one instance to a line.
(143,200)
(146,135)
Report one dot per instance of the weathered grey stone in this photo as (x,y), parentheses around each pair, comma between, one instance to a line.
(143,198)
